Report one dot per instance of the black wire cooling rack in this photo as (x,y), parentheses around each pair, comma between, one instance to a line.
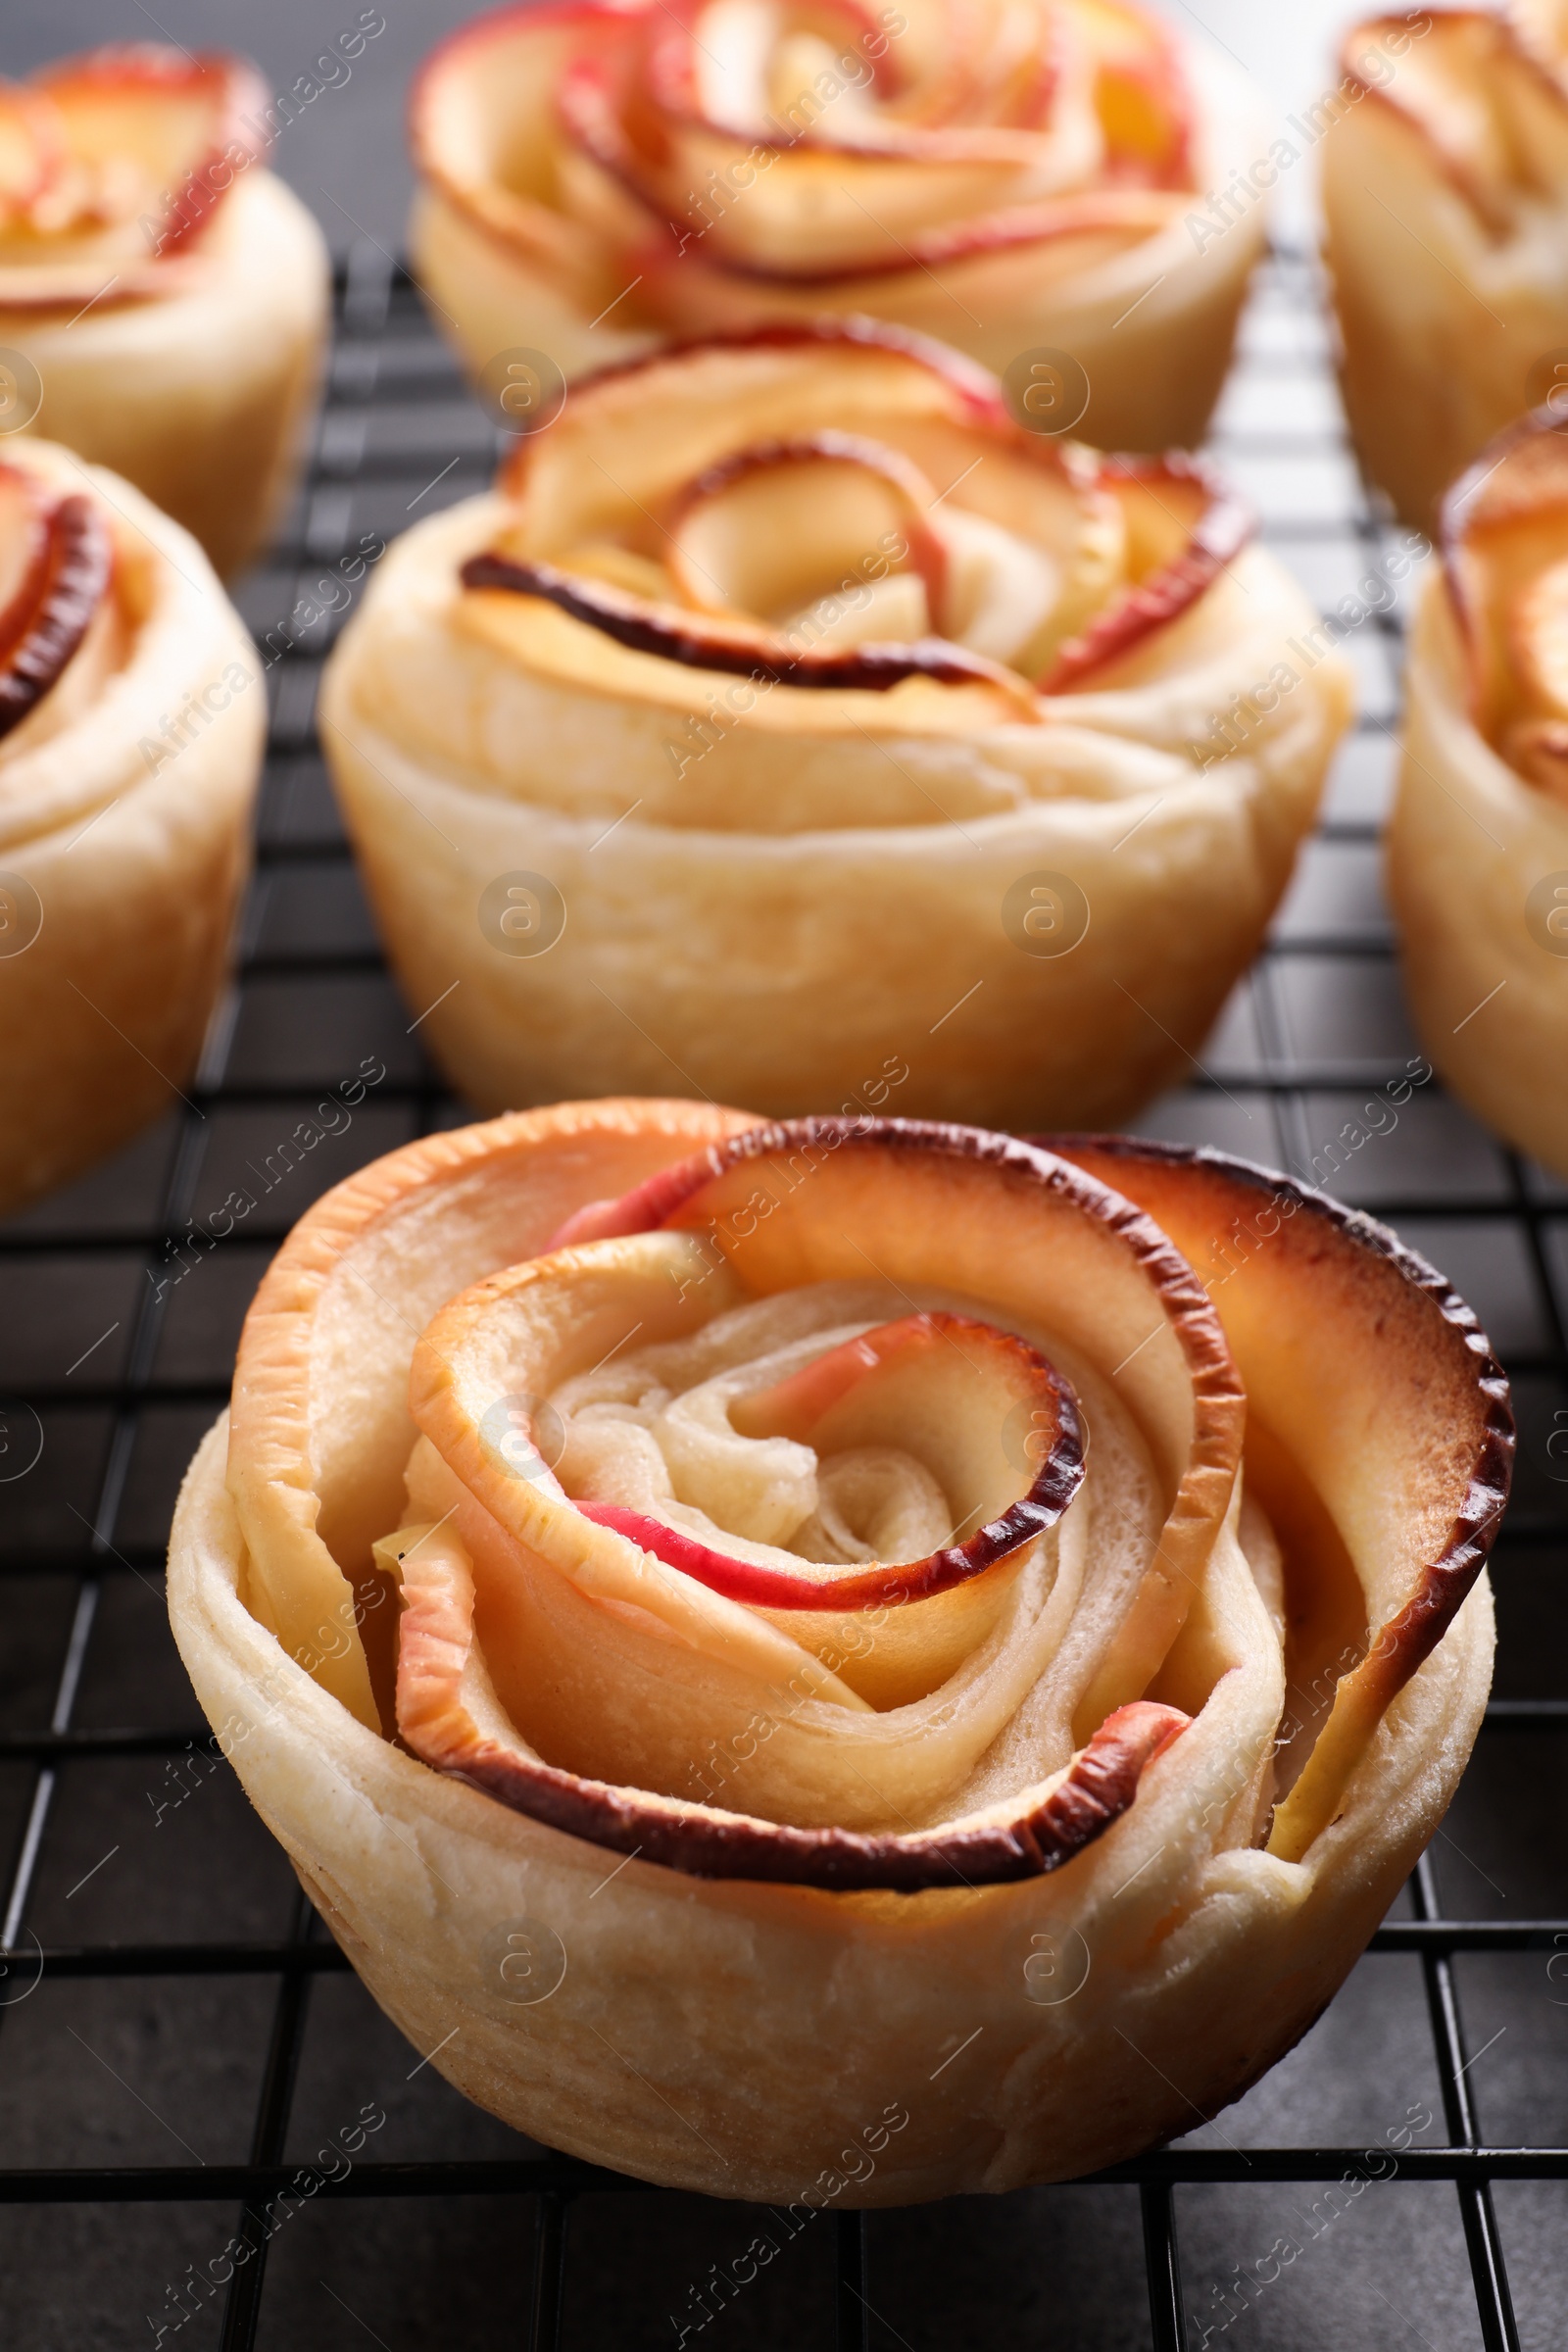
(176,2034)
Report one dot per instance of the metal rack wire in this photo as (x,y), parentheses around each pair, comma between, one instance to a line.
(192,1955)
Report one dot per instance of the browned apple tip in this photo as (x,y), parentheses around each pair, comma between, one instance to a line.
(1222,527)
(436,1720)
(700,641)
(64,566)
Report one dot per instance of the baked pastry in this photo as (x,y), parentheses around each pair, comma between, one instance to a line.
(1477,843)
(1445,200)
(133,718)
(164,299)
(809,1574)
(789,719)
(1031,180)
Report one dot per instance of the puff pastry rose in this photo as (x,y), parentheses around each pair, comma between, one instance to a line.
(1478,844)
(164,299)
(788,715)
(1016,176)
(1008,1618)
(1446,195)
(131,726)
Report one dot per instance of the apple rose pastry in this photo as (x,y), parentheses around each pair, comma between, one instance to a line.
(164,299)
(1478,844)
(1017,176)
(1446,195)
(789,718)
(131,726)
(779,1607)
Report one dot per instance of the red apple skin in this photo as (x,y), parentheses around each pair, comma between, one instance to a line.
(1221,531)
(63,590)
(23,517)
(1224,528)
(976,388)
(873,668)
(436,1641)
(657,1202)
(1133,1164)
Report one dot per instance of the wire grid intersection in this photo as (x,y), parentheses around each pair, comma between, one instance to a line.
(1315,1024)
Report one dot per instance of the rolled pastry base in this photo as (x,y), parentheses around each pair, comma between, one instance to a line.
(760,2042)
(102,1018)
(808,972)
(199,397)
(1424,401)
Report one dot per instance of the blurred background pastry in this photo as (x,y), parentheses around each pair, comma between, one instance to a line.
(1024,178)
(788,704)
(163,298)
(1446,201)
(1478,844)
(133,718)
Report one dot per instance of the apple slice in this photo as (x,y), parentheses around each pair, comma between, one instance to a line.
(921,1202)
(31,148)
(56,557)
(24,550)
(943,1387)
(121,135)
(1538,749)
(736,65)
(449,1716)
(156,119)
(732,648)
(1486,102)
(1501,530)
(1048,566)
(1002,595)
(827,1199)
(642,430)
(1141,93)
(1185,526)
(780,526)
(1538,630)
